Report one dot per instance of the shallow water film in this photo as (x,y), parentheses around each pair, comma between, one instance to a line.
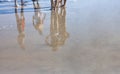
(81,38)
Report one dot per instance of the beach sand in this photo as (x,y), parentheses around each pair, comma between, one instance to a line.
(84,38)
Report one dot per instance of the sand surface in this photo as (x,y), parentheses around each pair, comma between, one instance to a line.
(82,38)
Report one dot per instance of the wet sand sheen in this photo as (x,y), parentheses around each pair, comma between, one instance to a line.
(83,38)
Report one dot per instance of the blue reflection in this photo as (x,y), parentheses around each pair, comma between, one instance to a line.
(8,6)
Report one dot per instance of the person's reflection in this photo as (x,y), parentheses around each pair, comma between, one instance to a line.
(58,33)
(38,17)
(20,19)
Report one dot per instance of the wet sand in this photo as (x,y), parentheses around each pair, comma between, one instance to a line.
(84,38)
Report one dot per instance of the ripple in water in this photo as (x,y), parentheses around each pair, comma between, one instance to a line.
(5,27)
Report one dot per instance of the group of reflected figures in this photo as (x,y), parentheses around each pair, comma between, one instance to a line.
(58,33)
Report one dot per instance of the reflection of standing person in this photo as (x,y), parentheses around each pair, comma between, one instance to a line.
(38,18)
(58,34)
(20,26)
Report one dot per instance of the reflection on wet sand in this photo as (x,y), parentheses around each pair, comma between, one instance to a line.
(38,17)
(20,19)
(58,33)
(92,48)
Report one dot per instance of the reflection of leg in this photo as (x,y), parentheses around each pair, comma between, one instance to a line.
(56,2)
(16,4)
(36,4)
(64,3)
(15,10)
(22,3)
(21,38)
(52,4)
(42,17)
